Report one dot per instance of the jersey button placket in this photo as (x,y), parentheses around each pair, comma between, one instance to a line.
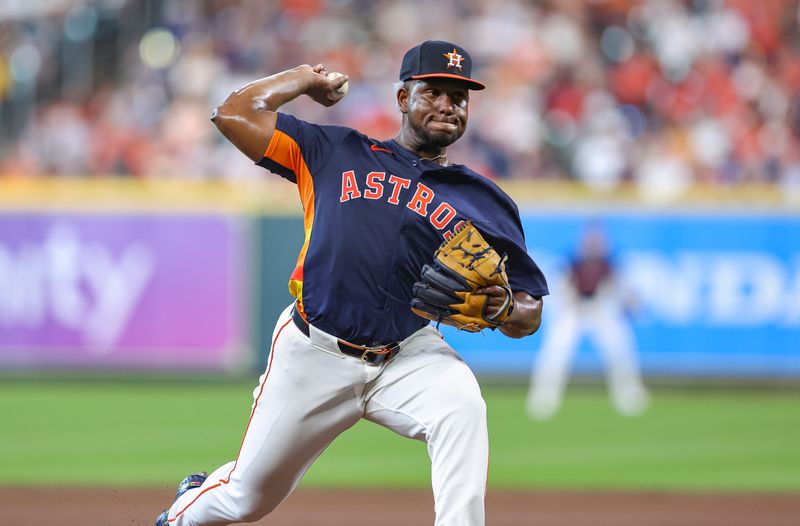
(395,268)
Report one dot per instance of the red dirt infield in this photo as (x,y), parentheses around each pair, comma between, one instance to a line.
(321,507)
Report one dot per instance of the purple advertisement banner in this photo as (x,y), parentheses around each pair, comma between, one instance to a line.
(127,291)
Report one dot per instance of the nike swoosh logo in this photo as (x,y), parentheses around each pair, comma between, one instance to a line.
(379,149)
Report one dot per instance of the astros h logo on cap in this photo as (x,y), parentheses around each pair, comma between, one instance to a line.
(455,59)
(439,59)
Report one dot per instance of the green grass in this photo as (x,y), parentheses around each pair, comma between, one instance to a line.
(154,432)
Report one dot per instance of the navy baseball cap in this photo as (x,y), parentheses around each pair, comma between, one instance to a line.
(439,59)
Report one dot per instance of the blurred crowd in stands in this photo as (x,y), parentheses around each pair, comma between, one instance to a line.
(662,93)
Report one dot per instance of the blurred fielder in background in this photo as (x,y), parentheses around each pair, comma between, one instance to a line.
(595,307)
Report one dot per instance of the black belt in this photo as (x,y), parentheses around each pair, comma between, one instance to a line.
(370,355)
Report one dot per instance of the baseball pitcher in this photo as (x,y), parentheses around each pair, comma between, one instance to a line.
(398,238)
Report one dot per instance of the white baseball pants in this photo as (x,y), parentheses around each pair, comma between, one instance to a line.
(311,392)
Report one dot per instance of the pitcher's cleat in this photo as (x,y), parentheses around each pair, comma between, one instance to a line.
(191,482)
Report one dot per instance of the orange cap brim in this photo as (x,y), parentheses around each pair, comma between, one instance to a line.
(473,84)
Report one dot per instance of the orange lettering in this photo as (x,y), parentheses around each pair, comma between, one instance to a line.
(422,198)
(443,214)
(349,187)
(398,183)
(375,187)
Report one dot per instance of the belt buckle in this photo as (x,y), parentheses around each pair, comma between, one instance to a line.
(364,356)
(380,351)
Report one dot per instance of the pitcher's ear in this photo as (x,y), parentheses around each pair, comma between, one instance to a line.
(402,99)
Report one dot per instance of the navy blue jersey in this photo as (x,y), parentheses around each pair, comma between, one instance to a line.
(374,214)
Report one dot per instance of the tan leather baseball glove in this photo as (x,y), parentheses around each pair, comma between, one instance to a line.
(447,293)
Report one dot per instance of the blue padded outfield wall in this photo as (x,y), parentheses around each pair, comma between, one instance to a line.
(716,294)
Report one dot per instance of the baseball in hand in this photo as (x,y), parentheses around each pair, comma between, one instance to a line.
(341,92)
